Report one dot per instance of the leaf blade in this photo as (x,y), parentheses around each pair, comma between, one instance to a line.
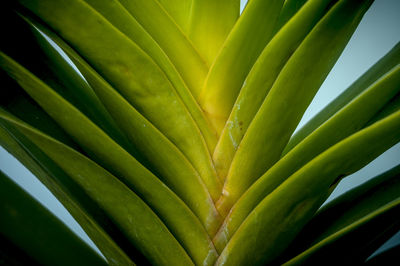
(114,197)
(111,156)
(338,216)
(66,193)
(179,10)
(117,58)
(271,128)
(390,60)
(287,209)
(181,52)
(348,121)
(24,221)
(260,79)
(209,27)
(127,24)
(361,233)
(251,33)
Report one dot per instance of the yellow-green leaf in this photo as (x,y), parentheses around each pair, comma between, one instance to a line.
(290,206)
(243,45)
(289,97)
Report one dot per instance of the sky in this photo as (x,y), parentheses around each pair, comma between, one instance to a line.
(378,32)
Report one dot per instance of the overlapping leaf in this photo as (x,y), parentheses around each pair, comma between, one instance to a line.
(260,79)
(33,228)
(354,224)
(290,206)
(251,33)
(352,118)
(130,155)
(111,155)
(289,97)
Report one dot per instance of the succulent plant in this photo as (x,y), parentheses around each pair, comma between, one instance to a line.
(167,131)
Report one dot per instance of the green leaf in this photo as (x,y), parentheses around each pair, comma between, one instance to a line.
(352,244)
(160,154)
(347,209)
(112,156)
(251,33)
(390,108)
(152,16)
(16,101)
(386,63)
(289,9)
(354,205)
(10,254)
(179,10)
(260,79)
(171,165)
(145,231)
(209,27)
(60,185)
(289,97)
(46,63)
(346,122)
(115,13)
(133,73)
(130,146)
(38,232)
(291,205)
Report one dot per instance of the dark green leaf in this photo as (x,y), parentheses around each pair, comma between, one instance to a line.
(38,232)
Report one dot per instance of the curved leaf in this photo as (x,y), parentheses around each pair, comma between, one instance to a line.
(179,10)
(145,231)
(171,165)
(291,205)
(16,101)
(354,205)
(37,231)
(390,108)
(289,97)
(111,156)
(150,14)
(349,242)
(114,12)
(346,122)
(66,192)
(209,27)
(29,46)
(160,154)
(133,73)
(386,63)
(260,80)
(347,209)
(289,9)
(251,33)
